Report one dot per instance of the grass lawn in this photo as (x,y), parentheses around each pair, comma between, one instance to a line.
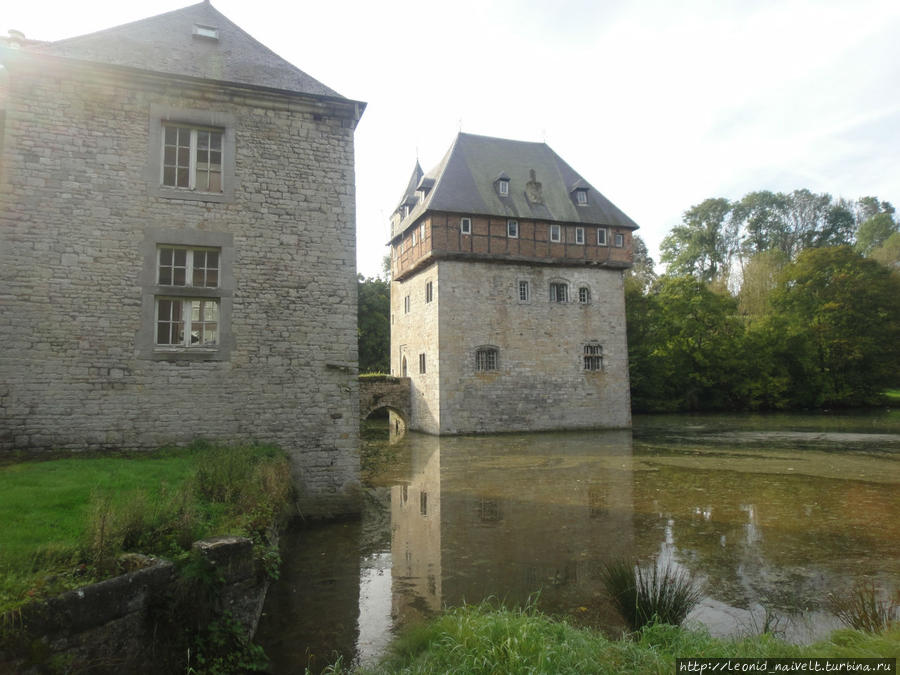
(64,520)
(485,639)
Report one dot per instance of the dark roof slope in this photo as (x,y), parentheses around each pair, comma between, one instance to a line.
(541,185)
(165,43)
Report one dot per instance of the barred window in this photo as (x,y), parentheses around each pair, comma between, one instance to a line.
(486,359)
(593,356)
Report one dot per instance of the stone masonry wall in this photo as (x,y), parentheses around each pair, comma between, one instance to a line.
(540,382)
(415,333)
(76,209)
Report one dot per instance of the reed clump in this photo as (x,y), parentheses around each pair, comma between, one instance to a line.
(865,608)
(655,593)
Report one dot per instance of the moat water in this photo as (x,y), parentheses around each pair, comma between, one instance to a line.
(771,513)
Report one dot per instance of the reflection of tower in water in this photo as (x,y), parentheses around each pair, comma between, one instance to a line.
(508,517)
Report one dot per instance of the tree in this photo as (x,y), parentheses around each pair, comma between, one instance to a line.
(642,270)
(374,324)
(888,254)
(847,308)
(761,215)
(684,346)
(760,277)
(703,244)
(873,232)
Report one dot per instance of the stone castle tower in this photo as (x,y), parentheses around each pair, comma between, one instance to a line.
(507,299)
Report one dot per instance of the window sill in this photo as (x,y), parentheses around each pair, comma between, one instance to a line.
(192,195)
(187,354)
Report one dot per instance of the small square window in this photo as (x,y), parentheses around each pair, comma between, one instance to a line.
(503,187)
(601,236)
(524,290)
(465,225)
(421,363)
(555,233)
(620,240)
(579,235)
(512,229)
(428,292)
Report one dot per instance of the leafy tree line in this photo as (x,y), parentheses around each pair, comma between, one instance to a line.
(770,302)
(374,324)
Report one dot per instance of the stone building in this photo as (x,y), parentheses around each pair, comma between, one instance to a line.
(177,248)
(507,299)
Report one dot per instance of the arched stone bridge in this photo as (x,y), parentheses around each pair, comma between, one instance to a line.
(385,391)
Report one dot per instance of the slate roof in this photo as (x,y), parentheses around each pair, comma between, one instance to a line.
(165,43)
(465,182)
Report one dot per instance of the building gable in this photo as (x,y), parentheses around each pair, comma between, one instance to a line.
(195,41)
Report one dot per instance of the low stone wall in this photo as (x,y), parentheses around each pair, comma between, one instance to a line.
(125,624)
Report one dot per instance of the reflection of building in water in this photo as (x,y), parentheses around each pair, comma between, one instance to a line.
(508,516)
(416,535)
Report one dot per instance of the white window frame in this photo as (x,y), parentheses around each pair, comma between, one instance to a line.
(584,295)
(555,287)
(524,290)
(619,240)
(602,236)
(168,294)
(503,188)
(579,235)
(422,233)
(190,327)
(581,197)
(465,225)
(555,232)
(193,164)
(512,228)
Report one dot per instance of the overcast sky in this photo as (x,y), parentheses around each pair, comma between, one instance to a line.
(658,104)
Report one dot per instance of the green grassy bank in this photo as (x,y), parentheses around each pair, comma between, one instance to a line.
(485,639)
(66,521)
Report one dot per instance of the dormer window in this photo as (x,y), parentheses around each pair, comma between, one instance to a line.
(502,183)
(207,32)
(581,197)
